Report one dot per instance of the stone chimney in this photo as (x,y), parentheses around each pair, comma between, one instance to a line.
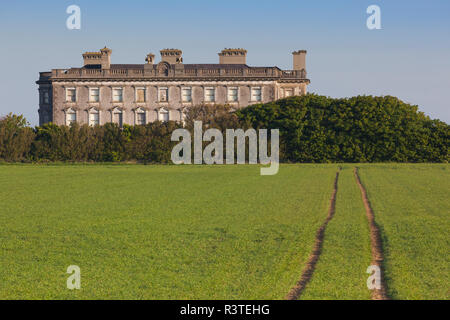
(106,58)
(150,59)
(233,56)
(299,61)
(172,56)
(148,67)
(100,59)
(92,58)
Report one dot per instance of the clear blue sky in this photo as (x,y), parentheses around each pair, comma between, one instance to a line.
(408,58)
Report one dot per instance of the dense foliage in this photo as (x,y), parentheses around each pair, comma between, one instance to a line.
(312,129)
(360,129)
(15,138)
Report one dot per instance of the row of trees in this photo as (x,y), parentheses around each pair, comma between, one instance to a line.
(107,143)
(312,129)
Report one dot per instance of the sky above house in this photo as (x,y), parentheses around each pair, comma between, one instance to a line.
(409,57)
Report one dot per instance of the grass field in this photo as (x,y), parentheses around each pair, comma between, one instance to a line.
(412,207)
(346,250)
(218,232)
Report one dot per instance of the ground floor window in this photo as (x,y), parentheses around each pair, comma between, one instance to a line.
(163,115)
(140,117)
(71,117)
(118,117)
(46,117)
(94,117)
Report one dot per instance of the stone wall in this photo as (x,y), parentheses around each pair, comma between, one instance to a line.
(152,105)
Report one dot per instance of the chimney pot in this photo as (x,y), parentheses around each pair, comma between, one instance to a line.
(101,58)
(172,56)
(233,56)
(299,60)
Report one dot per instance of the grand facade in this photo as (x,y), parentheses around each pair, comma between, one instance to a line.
(135,94)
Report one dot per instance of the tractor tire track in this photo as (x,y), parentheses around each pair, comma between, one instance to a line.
(375,240)
(308,271)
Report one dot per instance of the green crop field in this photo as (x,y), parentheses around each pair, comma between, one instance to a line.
(340,272)
(412,207)
(219,232)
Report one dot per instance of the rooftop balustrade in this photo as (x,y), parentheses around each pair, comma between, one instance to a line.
(187,72)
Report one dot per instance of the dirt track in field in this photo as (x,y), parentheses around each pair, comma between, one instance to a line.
(308,271)
(375,240)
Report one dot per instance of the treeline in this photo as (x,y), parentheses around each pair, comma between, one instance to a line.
(312,129)
(107,143)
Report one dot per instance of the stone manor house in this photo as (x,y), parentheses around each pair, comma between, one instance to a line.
(135,94)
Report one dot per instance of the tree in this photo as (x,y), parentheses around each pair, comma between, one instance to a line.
(15,138)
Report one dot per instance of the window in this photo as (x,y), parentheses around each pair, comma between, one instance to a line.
(71,117)
(232,94)
(117,117)
(210,94)
(94,94)
(140,95)
(288,92)
(140,120)
(71,95)
(163,94)
(45,97)
(256,94)
(140,117)
(46,118)
(117,94)
(163,115)
(186,95)
(94,118)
